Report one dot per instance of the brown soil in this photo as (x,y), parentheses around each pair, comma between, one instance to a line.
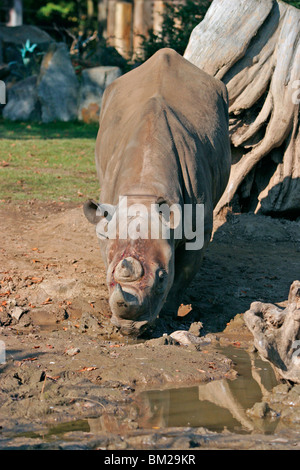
(65,362)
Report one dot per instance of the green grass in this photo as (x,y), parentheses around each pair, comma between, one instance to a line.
(53,162)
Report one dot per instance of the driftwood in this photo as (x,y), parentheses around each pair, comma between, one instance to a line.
(276,333)
(253,46)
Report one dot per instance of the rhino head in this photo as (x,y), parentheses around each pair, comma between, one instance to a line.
(140,270)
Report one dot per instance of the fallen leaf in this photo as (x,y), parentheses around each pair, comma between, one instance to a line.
(47,301)
(55,378)
(87,369)
(5,294)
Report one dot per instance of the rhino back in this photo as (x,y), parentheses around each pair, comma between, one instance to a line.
(164,130)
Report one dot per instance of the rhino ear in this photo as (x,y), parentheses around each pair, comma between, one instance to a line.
(90,211)
(95,212)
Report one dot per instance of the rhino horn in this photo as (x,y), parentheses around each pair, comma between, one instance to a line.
(123,303)
(128,270)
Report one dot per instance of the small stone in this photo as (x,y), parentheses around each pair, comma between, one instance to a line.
(259,410)
(185,337)
(195,328)
(72,351)
(17,313)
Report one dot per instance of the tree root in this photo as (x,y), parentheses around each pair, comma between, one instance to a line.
(276,333)
(260,65)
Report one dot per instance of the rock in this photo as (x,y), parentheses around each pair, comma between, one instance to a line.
(195,328)
(90,323)
(13,38)
(185,337)
(164,340)
(259,410)
(94,81)
(22,101)
(58,85)
(64,288)
(17,313)
(72,351)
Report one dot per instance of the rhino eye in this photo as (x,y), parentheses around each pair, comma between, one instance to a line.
(161,275)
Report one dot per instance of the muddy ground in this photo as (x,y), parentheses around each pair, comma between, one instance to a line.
(70,380)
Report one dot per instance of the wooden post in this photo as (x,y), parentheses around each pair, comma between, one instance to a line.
(158,9)
(142,21)
(111,20)
(90,9)
(123,27)
(16,13)
(102,12)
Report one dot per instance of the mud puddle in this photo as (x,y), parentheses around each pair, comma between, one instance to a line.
(219,405)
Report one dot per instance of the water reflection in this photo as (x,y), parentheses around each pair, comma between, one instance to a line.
(217,405)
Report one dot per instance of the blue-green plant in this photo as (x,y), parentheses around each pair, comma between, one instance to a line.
(27,49)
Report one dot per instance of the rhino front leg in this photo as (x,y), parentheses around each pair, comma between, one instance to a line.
(187,264)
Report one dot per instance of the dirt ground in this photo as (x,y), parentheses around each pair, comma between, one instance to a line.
(65,364)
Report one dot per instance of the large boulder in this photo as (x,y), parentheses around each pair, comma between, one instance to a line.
(22,102)
(94,81)
(57,86)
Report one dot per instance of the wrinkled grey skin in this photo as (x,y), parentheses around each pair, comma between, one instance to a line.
(163,137)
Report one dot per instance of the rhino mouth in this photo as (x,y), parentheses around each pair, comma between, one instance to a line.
(125,303)
(130,313)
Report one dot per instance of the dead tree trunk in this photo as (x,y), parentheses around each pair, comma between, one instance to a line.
(276,333)
(253,46)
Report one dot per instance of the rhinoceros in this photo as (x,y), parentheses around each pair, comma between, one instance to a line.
(163,140)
